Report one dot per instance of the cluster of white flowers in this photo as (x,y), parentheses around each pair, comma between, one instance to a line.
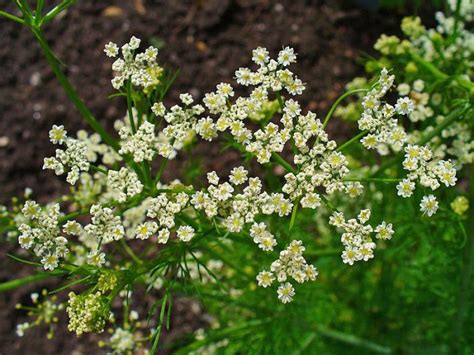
(41,233)
(429,172)
(140,68)
(87,312)
(180,122)
(290,264)
(163,209)
(272,75)
(122,341)
(141,144)
(462,144)
(74,158)
(96,149)
(420,99)
(262,237)
(124,182)
(105,226)
(378,117)
(239,208)
(455,142)
(357,236)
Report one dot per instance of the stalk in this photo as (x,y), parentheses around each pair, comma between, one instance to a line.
(10,285)
(337,102)
(71,92)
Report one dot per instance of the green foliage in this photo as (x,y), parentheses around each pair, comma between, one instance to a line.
(131,237)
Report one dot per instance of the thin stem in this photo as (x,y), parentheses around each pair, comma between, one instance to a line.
(352,340)
(337,102)
(130,252)
(98,169)
(352,140)
(9,285)
(12,17)
(280,100)
(464,83)
(284,164)
(71,92)
(386,180)
(160,171)
(129,106)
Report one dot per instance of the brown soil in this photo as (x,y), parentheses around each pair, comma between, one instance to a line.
(207,39)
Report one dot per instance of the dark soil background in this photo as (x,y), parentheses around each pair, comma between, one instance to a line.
(206,39)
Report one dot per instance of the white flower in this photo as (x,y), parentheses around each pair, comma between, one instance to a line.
(404,106)
(260,56)
(286,292)
(158,109)
(111,49)
(212,178)
(185,233)
(265,279)
(384,231)
(405,188)
(186,99)
(349,256)
(418,85)
(96,258)
(429,205)
(163,236)
(403,89)
(50,262)
(238,175)
(311,200)
(57,134)
(286,56)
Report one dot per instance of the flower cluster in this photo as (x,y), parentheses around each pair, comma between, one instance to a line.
(239,208)
(290,264)
(420,99)
(87,312)
(41,233)
(124,183)
(180,122)
(429,172)
(163,209)
(357,236)
(262,237)
(105,226)
(141,69)
(378,117)
(141,144)
(272,75)
(74,158)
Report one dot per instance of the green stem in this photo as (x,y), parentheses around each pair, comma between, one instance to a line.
(386,180)
(130,252)
(352,140)
(98,169)
(352,340)
(284,164)
(129,106)
(337,102)
(12,17)
(462,82)
(160,171)
(71,92)
(9,285)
